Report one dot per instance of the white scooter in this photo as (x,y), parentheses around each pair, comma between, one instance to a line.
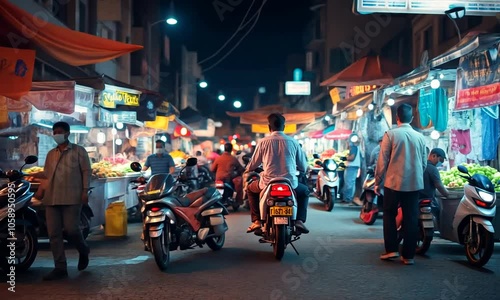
(469,221)
(327,185)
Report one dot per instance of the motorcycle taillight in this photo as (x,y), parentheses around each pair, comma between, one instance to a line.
(280,190)
(425,202)
(155,209)
(219,184)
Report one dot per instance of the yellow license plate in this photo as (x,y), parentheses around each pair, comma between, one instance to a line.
(281,211)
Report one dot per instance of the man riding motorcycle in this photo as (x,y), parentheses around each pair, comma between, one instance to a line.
(227,168)
(432,179)
(280,156)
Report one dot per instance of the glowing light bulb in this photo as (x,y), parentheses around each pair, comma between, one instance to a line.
(435,135)
(435,83)
(390,102)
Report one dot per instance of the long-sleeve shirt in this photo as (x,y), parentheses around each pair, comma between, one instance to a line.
(280,156)
(225,167)
(402,160)
(374,156)
(68,173)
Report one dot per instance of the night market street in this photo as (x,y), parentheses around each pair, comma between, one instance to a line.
(338,260)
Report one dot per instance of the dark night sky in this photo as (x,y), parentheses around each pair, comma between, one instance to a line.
(260,58)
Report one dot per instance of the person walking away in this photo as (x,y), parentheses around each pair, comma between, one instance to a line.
(400,169)
(228,169)
(280,156)
(432,180)
(374,155)
(352,163)
(68,172)
(161,161)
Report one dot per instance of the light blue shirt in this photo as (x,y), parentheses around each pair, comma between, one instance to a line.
(280,156)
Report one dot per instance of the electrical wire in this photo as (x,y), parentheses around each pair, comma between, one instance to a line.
(242,25)
(235,46)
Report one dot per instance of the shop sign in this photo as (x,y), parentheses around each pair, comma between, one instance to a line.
(335,95)
(478,80)
(426,7)
(297,88)
(127,117)
(165,109)
(361,89)
(112,98)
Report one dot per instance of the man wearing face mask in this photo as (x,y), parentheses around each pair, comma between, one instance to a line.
(67,170)
(432,179)
(161,161)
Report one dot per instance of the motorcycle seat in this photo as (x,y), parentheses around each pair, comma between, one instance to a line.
(197,198)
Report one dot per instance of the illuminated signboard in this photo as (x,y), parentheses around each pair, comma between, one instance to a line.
(297,88)
(361,89)
(112,96)
(435,7)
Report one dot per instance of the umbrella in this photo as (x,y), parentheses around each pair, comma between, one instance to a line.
(292,116)
(338,134)
(368,70)
(316,134)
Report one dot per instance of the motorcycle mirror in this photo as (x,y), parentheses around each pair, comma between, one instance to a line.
(31,159)
(136,167)
(246,159)
(319,162)
(316,156)
(463,169)
(191,162)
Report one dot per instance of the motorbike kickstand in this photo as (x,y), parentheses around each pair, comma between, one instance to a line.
(294,248)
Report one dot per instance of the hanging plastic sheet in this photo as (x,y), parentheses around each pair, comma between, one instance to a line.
(490,131)
(433,109)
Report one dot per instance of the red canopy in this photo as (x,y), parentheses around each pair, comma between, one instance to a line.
(338,134)
(20,29)
(368,70)
(316,134)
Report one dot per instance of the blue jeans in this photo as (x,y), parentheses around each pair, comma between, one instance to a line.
(350,175)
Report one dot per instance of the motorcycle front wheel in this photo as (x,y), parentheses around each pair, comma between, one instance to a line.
(279,241)
(25,251)
(161,248)
(217,242)
(330,197)
(479,245)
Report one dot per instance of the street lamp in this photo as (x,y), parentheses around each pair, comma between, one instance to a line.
(237,104)
(454,14)
(171,20)
(221,97)
(203,84)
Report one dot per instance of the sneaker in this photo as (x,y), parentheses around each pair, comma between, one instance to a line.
(56,274)
(407,261)
(389,255)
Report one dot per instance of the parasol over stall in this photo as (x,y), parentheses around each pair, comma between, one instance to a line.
(292,116)
(338,134)
(369,70)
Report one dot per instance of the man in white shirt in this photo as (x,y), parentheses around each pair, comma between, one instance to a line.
(280,156)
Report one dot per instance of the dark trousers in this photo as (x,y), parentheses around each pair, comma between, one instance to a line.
(302,194)
(65,217)
(409,205)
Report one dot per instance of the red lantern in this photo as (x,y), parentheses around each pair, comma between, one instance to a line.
(181,131)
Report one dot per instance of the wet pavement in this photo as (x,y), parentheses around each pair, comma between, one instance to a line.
(338,260)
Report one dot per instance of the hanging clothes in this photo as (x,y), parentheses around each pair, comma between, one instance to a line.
(490,129)
(426,109)
(461,141)
(440,116)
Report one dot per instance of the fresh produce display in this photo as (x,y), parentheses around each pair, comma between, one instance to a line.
(105,169)
(179,157)
(452,179)
(33,170)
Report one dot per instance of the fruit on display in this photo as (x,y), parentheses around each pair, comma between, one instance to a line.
(337,157)
(33,170)
(104,169)
(452,179)
(179,157)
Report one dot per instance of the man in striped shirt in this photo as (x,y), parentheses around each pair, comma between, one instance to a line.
(161,161)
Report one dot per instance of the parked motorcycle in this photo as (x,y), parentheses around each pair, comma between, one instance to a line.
(228,193)
(425,226)
(371,201)
(21,239)
(468,221)
(205,177)
(327,183)
(278,210)
(172,222)
(85,217)
(188,180)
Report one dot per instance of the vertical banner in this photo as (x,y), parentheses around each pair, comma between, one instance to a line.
(478,79)
(16,71)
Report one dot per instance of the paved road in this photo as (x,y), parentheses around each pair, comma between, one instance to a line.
(338,260)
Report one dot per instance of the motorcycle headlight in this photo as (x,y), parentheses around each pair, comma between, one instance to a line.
(331,176)
(331,166)
(485,196)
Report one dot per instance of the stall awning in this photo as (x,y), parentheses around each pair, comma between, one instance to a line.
(473,41)
(338,134)
(69,46)
(292,116)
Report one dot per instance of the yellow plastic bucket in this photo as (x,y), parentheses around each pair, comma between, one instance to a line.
(116,219)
